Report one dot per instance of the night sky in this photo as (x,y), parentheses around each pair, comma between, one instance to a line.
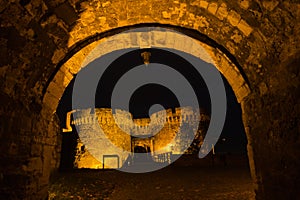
(147,95)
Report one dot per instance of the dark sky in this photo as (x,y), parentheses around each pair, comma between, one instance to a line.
(150,94)
(147,95)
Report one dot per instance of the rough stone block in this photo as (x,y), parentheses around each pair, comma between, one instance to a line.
(244,27)
(58,55)
(270,5)
(222,11)
(233,18)
(212,8)
(231,47)
(242,92)
(144,40)
(244,4)
(177,42)
(166,15)
(68,75)
(50,101)
(204,4)
(236,37)
(56,89)
(134,39)
(159,38)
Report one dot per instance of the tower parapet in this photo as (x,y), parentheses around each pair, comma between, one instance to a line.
(170,131)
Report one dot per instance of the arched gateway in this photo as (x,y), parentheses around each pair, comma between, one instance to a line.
(255,45)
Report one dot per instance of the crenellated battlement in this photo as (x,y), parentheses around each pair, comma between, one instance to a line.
(107,116)
(165,131)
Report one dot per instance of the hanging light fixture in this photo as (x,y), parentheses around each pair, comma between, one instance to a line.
(146,57)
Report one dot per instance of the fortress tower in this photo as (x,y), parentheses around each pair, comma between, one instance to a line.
(176,132)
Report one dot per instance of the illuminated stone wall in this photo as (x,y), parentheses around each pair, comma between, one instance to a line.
(173,137)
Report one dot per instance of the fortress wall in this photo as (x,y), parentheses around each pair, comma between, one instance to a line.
(101,136)
(172,137)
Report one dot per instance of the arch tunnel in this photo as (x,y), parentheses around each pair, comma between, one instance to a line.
(255,45)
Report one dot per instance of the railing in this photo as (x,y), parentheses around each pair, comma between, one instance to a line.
(163,157)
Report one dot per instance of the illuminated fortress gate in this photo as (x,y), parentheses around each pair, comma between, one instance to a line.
(167,141)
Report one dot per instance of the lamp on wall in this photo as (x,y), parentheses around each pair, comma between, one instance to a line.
(146,57)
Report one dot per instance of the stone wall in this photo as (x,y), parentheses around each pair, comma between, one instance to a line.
(37,37)
(175,135)
(277,146)
(31,151)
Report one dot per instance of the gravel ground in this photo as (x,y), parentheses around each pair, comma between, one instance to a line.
(173,182)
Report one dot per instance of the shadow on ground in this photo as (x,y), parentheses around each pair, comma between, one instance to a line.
(181,180)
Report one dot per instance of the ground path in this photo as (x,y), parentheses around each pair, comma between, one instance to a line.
(173,182)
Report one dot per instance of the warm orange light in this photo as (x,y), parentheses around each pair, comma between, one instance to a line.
(167,140)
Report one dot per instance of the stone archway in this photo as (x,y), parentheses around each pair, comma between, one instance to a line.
(171,40)
(38,37)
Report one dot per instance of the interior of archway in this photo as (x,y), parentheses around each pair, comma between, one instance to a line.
(237,157)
